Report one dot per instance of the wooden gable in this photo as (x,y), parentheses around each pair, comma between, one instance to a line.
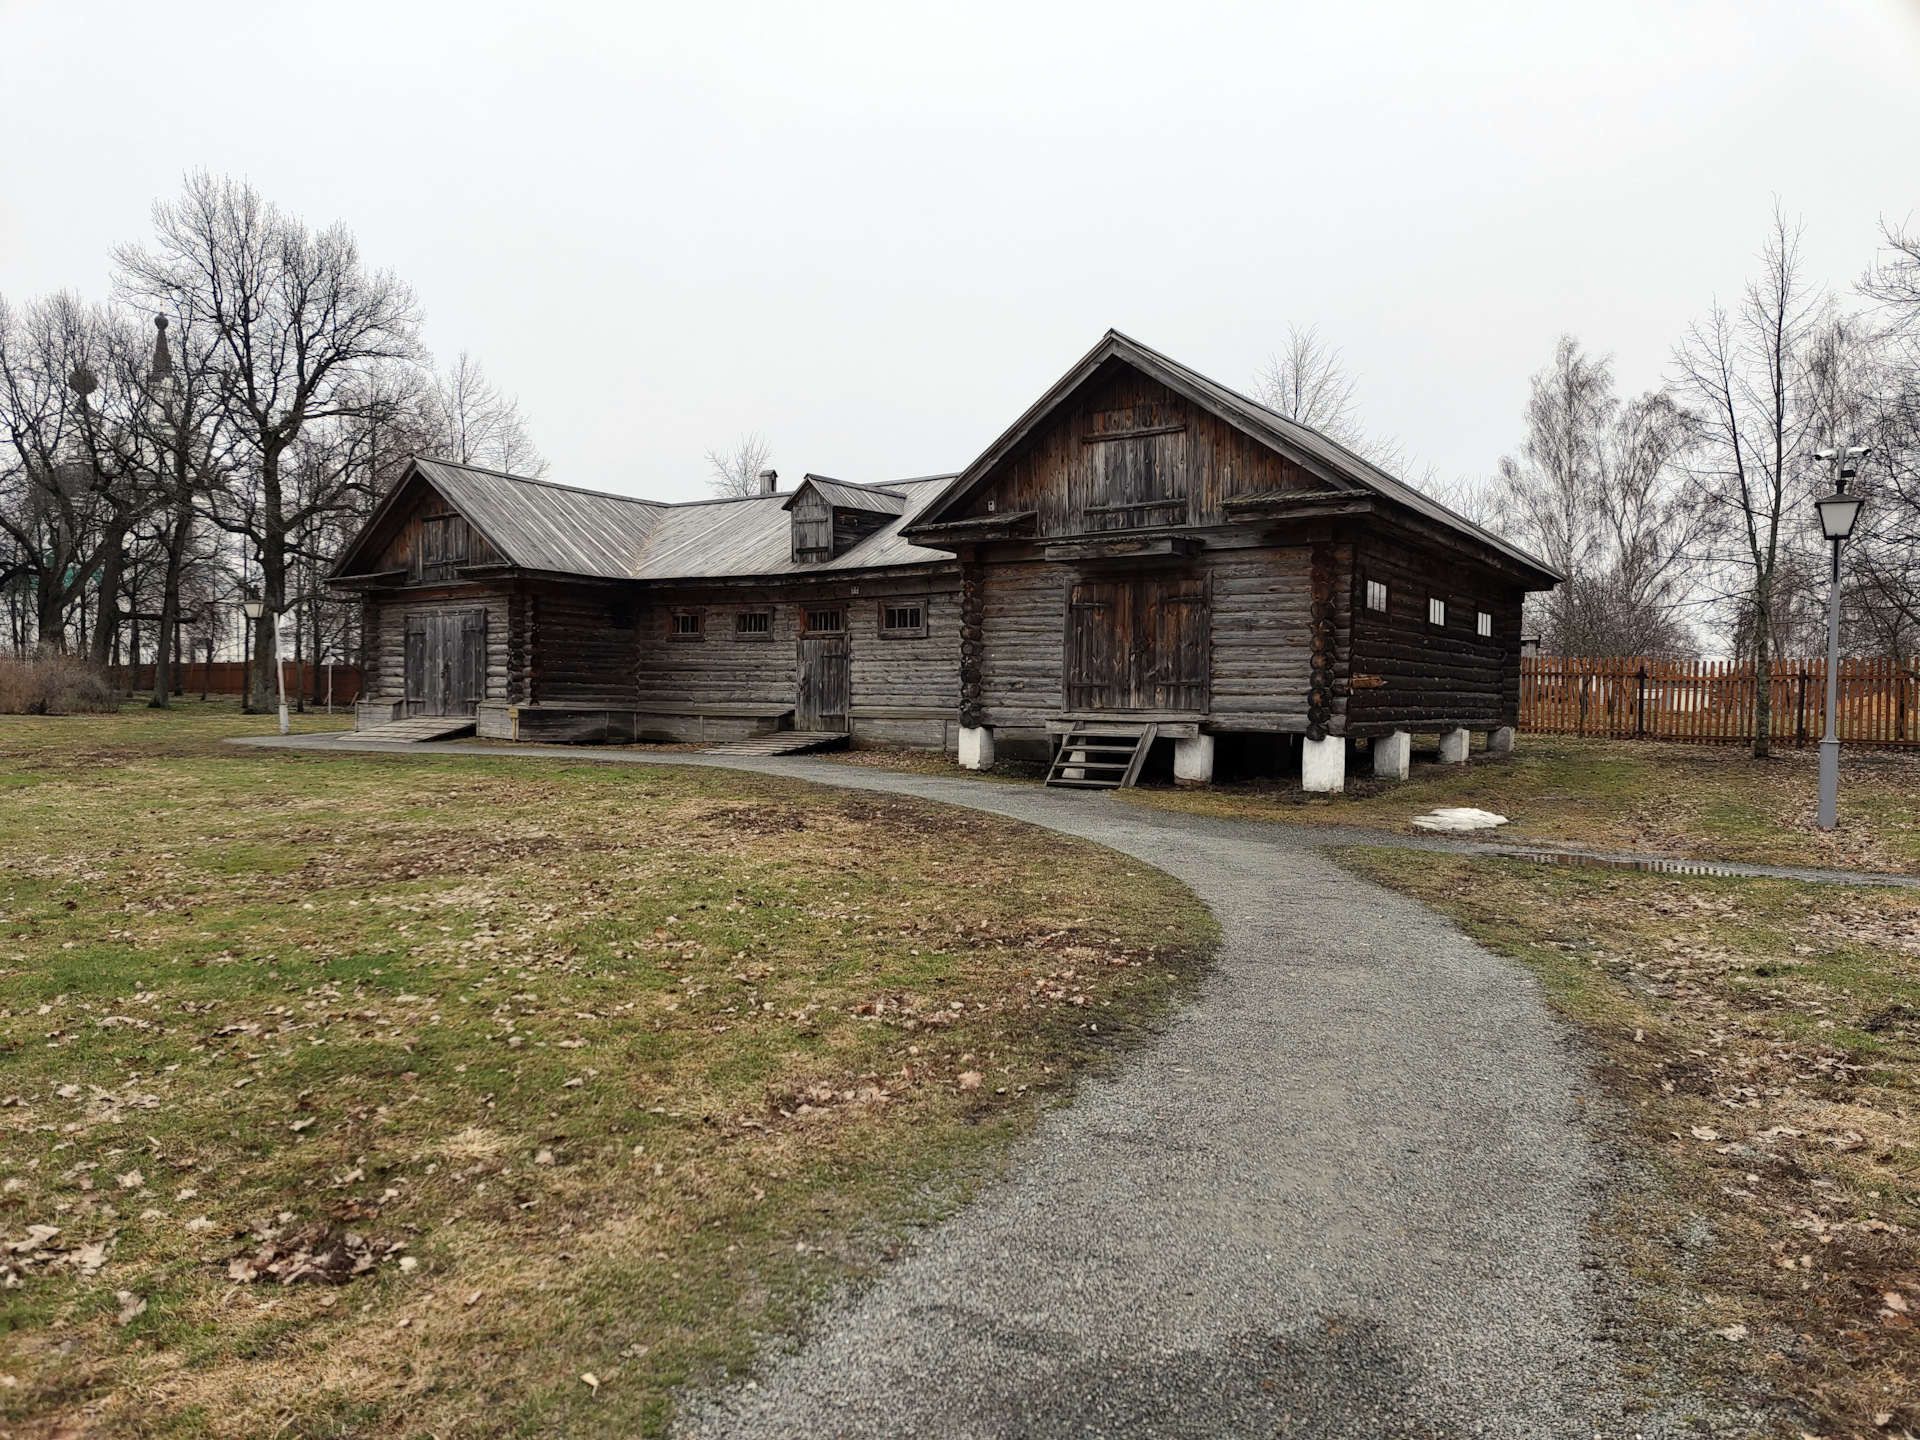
(429,541)
(1128,453)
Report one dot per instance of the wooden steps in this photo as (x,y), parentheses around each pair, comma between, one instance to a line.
(1101,755)
(415,730)
(783,742)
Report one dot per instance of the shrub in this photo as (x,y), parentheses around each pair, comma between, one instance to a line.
(54,685)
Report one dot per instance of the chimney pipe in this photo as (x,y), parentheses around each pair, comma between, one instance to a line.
(769,482)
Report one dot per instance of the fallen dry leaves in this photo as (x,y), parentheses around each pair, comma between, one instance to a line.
(1759,1042)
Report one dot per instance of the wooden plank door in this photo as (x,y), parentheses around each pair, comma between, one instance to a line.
(824,688)
(416,665)
(446,662)
(1099,644)
(1171,666)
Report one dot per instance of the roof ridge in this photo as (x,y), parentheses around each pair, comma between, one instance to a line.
(536,480)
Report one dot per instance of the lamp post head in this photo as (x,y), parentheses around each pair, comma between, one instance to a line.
(1838,512)
(254,606)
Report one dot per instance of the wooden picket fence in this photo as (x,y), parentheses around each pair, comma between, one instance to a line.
(1713,701)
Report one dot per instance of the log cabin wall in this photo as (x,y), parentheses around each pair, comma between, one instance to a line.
(585,644)
(707,678)
(1410,674)
(385,638)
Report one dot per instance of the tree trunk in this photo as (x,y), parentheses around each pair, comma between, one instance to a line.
(1763,667)
(106,624)
(273,585)
(170,610)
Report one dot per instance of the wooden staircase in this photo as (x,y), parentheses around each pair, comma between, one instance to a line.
(1101,755)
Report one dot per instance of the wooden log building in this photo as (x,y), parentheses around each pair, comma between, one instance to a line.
(1145,556)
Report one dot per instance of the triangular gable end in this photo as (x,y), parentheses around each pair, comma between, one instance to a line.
(384,548)
(1311,461)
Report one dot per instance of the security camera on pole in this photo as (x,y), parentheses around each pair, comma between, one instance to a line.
(1838,512)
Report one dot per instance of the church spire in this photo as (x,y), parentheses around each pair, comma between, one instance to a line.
(162,361)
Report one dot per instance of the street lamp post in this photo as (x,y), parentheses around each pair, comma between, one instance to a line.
(255,608)
(1838,512)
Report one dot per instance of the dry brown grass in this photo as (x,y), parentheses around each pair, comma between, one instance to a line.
(1760,1041)
(636,1062)
(54,685)
(1708,801)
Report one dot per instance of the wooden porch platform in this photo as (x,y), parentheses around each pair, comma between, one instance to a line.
(783,742)
(415,729)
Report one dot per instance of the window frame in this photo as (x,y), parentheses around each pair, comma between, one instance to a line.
(837,608)
(1483,624)
(1385,596)
(695,613)
(903,632)
(1437,612)
(761,636)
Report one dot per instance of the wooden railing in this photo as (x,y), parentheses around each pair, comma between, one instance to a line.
(1713,701)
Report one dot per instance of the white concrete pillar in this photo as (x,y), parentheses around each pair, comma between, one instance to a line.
(976,747)
(1193,760)
(1323,764)
(1453,746)
(1392,755)
(1500,742)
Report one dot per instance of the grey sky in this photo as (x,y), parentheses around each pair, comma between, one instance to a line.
(876,233)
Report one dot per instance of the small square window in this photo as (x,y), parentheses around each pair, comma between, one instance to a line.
(903,619)
(1483,623)
(1376,595)
(753,624)
(824,622)
(1436,611)
(684,625)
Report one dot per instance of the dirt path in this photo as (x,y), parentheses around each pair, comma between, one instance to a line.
(1343,1194)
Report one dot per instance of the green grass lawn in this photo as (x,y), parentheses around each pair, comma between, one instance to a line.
(435,1095)
(1755,1053)
(1707,801)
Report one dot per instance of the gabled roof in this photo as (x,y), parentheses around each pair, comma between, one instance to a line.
(534,524)
(561,529)
(843,496)
(1328,460)
(735,539)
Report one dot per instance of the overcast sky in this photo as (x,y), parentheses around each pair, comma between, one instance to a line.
(876,234)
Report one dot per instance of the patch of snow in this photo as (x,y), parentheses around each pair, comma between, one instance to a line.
(1459,817)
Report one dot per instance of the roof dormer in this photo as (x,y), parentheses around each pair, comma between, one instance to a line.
(830,517)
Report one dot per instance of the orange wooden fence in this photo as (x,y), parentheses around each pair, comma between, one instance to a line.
(1713,701)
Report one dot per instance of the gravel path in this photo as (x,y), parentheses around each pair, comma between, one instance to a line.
(1342,1195)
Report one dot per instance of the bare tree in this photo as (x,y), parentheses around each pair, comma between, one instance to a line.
(479,425)
(1742,372)
(738,472)
(1308,383)
(66,501)
(1595,492)
(297,321)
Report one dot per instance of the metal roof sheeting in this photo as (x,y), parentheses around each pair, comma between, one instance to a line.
(735,539)
(538,525)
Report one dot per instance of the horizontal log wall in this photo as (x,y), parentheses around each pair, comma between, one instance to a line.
(1409,675)
(386,676)
(725,668)
(585,644)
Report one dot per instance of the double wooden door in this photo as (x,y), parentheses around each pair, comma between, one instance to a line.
(1137,644)
(446,661)
(824,688)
